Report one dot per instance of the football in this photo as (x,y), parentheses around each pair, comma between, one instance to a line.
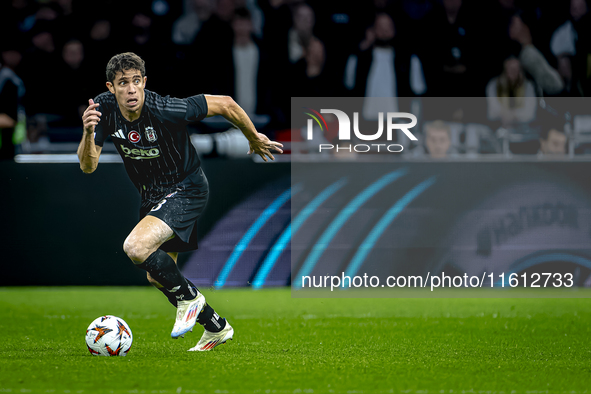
(108,336)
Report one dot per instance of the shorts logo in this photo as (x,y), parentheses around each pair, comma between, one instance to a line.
(134,136)
(151,134)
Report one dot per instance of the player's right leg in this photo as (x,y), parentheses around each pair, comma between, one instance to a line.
(217,329)
(141,246)
(170,296)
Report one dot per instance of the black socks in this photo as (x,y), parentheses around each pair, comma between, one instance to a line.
(171,297)
(164,270)
(210,320)
(207,317)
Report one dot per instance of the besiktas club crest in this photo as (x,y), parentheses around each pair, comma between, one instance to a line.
(150,134)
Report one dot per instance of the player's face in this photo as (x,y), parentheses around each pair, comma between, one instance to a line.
(128,88)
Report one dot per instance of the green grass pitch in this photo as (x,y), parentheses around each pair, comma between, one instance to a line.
(287,345)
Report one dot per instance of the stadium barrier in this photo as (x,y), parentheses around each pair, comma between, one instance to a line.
(63,227)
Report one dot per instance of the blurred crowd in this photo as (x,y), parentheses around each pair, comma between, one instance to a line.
(263,52)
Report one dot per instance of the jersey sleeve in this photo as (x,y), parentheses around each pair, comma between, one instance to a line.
(196,108)
(105,126)
(187,110)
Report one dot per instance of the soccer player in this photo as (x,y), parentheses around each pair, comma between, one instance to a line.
(149,132)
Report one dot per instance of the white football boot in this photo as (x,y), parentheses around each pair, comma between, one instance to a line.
(209,339)
(186,315)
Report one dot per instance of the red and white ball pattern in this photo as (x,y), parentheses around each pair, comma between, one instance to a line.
(108,336)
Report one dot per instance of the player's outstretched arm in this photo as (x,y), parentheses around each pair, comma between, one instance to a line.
(227,107)
(88,152)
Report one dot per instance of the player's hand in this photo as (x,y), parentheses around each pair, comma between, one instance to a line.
(262,146)
(91,117)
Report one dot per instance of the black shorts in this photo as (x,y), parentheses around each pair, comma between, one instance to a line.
(180,210)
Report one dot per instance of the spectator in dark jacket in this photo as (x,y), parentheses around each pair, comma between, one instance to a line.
(382,69)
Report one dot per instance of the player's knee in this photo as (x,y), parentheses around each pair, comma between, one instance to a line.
(135,251)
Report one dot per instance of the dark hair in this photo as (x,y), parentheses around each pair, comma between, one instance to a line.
(125,61)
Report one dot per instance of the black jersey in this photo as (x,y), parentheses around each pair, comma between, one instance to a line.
(156,149)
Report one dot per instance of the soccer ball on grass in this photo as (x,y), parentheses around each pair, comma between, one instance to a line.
(108,336)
